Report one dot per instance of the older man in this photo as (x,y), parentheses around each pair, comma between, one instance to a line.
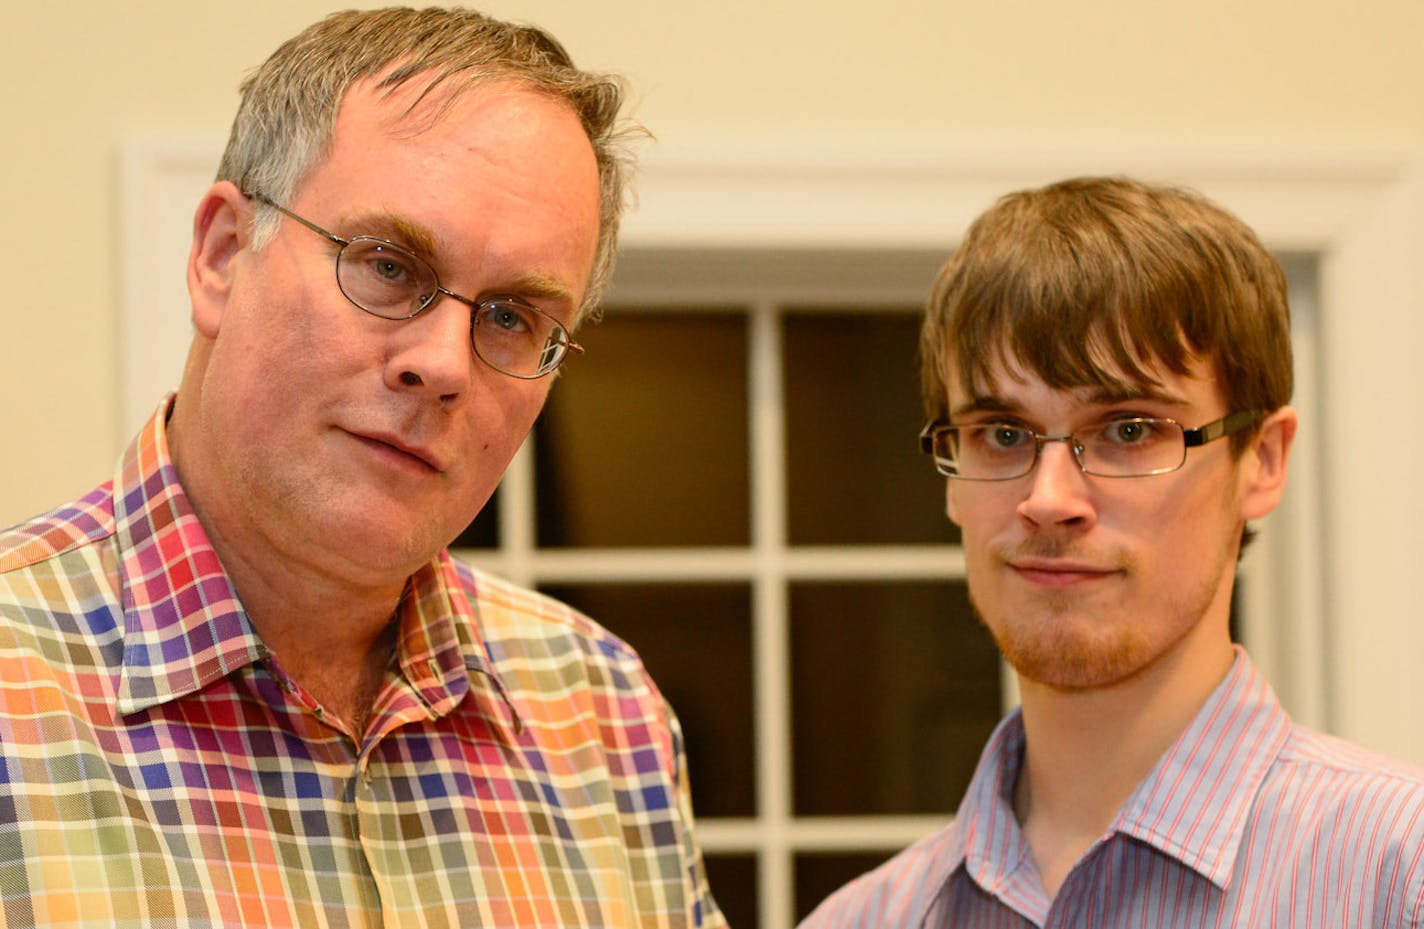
(243,683)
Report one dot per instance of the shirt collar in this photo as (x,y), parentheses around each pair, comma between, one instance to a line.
(442,653)
(989,843)
(184,626)
(1193,806)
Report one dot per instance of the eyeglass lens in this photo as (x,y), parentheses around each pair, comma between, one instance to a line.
(388,281)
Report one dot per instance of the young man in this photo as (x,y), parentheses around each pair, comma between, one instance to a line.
(1107,366)
(244,683)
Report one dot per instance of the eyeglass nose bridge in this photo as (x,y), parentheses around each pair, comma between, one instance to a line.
(1076,447)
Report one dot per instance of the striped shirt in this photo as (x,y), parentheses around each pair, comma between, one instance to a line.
(158,767)
(1247,821)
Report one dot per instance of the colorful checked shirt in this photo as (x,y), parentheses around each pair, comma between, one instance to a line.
(1248,821)
(158,768)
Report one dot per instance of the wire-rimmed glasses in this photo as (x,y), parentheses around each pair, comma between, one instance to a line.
(1136,446)
(390,281)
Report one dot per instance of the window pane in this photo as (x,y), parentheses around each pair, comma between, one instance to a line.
(696,642)
(484,531)
(819,874)
(854,472)
(894,688)
(644,439)
(733,879)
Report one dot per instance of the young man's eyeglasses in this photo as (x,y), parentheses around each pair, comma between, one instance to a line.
(1137,446)
(391,282)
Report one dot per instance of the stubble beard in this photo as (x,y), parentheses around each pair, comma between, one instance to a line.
(1070,645)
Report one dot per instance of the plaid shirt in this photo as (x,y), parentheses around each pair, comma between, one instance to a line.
(1247,821)
(158,768)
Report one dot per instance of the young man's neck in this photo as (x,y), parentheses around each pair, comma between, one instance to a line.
(1087,750)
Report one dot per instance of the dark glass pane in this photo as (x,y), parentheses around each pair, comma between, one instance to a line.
(644,439)
(855,474)
(733,879)
(696,642)
(484,531)
(819,874)
(1237,606)
(894,688)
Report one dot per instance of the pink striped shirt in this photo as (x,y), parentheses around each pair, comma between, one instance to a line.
(1248,820)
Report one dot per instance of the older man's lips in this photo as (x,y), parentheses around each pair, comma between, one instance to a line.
(399,452)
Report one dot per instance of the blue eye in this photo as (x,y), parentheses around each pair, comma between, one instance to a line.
(508,316)
(384,279)
(389,269)
(1003,436)
(1136,431)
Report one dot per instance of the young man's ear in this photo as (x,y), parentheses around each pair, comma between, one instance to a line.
(221,229)
(1264,464)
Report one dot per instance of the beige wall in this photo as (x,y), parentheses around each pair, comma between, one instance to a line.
(1210,75)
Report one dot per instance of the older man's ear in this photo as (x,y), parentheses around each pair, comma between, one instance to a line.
(221,230)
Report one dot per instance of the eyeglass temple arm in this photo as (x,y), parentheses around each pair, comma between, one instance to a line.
(1237,421)
(927,435)
(264,199)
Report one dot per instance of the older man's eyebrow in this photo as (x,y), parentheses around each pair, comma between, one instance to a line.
(539,286)
(398,229)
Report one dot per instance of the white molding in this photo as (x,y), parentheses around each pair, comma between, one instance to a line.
(1360,212)
(1371,336)
(892,199)
(160,183)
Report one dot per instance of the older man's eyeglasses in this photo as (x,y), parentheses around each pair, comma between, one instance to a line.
(1137,446)
(391,282)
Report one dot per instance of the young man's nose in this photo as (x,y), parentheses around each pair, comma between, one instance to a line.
(1058,490)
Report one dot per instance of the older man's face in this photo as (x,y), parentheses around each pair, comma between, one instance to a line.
(372,443)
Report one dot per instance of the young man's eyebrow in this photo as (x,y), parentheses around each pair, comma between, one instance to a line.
(1097,396)
(985,404)
(1129,393)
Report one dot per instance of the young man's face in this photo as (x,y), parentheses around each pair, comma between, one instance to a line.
(1085,581)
